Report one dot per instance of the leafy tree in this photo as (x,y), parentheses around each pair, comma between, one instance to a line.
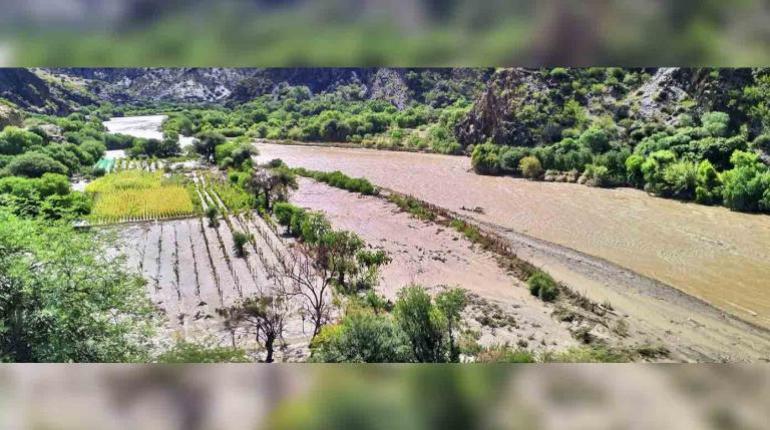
(14,140)
(708,189)
(653,168)
(362,337)
(634,170)
(205,143)
(451,303)
(680,180)
(61,299)
(746,184)
(511,157)
(34,165)
(716,123)
(424,325)
(485,159)
(272,184)
(596,139)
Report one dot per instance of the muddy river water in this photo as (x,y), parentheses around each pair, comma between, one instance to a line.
(720,256)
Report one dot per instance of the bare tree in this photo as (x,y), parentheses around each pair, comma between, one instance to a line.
(261,316)
(310,281)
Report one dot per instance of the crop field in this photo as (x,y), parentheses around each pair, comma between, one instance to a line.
(135,195)
(192,270)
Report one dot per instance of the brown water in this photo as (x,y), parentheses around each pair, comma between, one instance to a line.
(712,253)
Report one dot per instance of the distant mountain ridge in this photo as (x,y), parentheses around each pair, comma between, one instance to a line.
(234,85)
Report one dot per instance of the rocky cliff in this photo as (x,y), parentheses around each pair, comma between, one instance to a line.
(38,91)
(527,107)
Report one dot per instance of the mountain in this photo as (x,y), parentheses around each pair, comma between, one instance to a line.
(38,91)
(236,85)
(532,107)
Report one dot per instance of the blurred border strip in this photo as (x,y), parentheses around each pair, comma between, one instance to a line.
(271,33)
(302,396)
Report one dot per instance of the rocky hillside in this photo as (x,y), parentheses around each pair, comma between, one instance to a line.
(525,107)
(399,86)
(39,91)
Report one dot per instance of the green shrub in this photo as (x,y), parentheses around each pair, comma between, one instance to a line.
(212,213)
(485,159)
(34,165)
(708,189)
(240,240)
(542,285)
(530,167)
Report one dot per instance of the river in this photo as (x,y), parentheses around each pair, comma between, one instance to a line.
(146,127)
(720,256)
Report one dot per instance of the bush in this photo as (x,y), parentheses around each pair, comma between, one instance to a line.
(530,167)
(597,176)
(511,157)
(708,184)
(285,211)
(485,159)
(361,337)
(542,285)
(34,165)
(14,140)
(762,143)
(596,139)
(240,240)
(212,213)
(746,186)
(716,123)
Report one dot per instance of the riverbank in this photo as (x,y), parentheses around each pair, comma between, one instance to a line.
(700,248)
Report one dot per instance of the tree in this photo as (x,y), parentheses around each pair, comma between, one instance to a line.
(361,337)
(596,139)
(272,184)
(530,167)
(424,325)
(634,173)
(14,140)
(205,143)
(262,317)
(747,184)
(34,165)
(680,180)
(451,303)
(485,159)
(309,281)
(708,189)
(716,123)
(62,299)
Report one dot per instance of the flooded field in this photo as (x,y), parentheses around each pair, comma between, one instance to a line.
(711,253)
(191,272)
(431,255)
